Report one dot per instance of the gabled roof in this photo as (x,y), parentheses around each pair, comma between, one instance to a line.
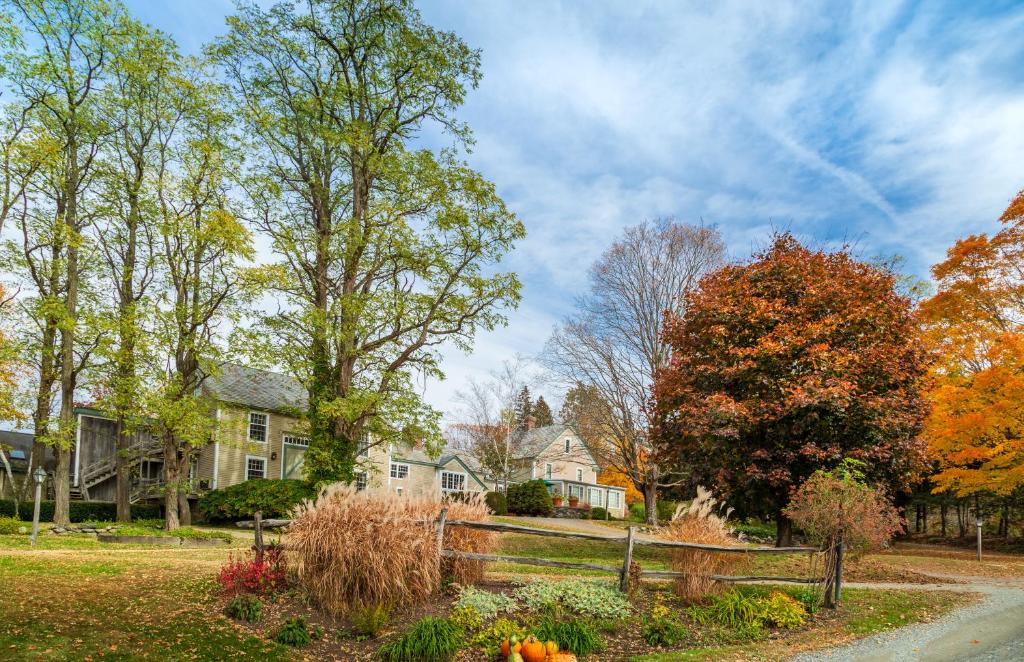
(448,453)
(537,440)
(260,389)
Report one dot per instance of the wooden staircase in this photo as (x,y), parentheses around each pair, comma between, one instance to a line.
(106,468)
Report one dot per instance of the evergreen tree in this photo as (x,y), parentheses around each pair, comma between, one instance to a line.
(522,409)
(542,413)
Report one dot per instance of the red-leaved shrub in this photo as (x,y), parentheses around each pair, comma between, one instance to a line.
(833,506)
(247,575)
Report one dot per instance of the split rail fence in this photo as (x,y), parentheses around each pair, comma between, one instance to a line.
(833,565)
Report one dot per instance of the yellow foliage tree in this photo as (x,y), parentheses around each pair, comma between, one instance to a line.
(975,324)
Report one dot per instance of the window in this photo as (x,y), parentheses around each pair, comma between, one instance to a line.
(613,499)
(594,497)
(364,446)
(257,427)
(579,475)
(399,491)
(547,471)
(453,482)
(295,440)
(360,481)
(575,491)
(255,467)
(17,454)
(567,446)
(399,470)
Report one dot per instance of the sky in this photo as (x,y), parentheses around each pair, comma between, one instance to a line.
(896,127)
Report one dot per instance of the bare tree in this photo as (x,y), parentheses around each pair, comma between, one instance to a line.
(613,347)
(490,430)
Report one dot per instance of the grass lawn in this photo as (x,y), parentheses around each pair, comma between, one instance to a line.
(73,598)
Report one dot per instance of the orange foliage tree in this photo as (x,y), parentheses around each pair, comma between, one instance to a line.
(975,326)
(787,365)
(611,476)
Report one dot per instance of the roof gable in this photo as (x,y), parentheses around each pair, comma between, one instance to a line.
(260,389)
(539,441)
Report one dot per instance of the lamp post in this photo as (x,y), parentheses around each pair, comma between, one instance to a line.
(39,475)
(978,522)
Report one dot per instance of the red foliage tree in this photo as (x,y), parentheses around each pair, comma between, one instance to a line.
(786,365)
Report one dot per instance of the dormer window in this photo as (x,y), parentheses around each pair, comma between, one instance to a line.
(567,446)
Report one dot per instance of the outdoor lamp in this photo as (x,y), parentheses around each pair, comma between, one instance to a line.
(39,475)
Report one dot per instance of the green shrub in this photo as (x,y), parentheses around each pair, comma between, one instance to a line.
(573,635)
(78,511)
(9,525)
(467,619)
(490,638)
(368,621)
(530,498)
(275,498)
(637,512)
(294,632)
(666,510)
(484,603)
(595,599)
(246,608)
(497,502)
(660,628)
(429,640)
(598,513)
(781,610)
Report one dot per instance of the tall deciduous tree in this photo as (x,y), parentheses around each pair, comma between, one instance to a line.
(385,251)
(975,324)
(787,365)
(203,247)
(60,76)
(139,104)
(614,346)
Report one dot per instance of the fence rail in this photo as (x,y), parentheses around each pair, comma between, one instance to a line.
(832,581)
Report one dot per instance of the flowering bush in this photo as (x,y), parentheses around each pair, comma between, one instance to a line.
(244,575)
(838,505)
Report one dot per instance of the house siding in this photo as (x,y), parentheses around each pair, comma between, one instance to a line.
(235,447)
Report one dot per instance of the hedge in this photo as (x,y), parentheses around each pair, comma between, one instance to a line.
(79,511)
(530,498)
(275,498)
(497,503)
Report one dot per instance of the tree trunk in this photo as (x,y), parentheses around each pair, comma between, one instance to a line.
(170,485)
(784,530)
(123,498)
(184,509)
(942,516)
(651,502)
(62,488)
(924,517)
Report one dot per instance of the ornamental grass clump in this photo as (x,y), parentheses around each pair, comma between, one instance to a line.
(350,549)
(468,508)
(699,522)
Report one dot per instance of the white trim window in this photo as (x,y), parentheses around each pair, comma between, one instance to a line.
(453,481)
(399,470)
(360,481)
(258,424)
(613,500)
(576,491)
(567,446)
(594,496)
(294,440)
(547,471)
(255,467)
(579,475)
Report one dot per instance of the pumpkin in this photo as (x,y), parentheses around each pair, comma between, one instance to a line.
(516,647)
(562,657)
(551,647)
(533,650)
(515,657)
(506,648)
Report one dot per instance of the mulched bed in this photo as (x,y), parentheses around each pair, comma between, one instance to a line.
(622,642)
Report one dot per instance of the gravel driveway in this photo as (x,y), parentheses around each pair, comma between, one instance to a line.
(991,630)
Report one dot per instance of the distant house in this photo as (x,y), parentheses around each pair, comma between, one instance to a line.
(260,435)
(559,457)
(18,447)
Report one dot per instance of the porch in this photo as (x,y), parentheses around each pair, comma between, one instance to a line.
(609,497)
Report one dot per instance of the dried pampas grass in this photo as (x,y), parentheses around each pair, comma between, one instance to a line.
(351,549)
(700,522)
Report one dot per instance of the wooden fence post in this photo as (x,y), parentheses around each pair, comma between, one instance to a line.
(624,573)
(258,546)
(441,517)
(838,584)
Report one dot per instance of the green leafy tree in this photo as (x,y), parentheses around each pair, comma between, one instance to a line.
(385,251)
(59,73)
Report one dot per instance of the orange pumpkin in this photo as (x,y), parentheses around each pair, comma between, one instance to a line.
(506,648)
(533,650)
(562,657)
(516,647)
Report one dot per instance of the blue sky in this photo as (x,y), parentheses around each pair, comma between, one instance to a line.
(896,126)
